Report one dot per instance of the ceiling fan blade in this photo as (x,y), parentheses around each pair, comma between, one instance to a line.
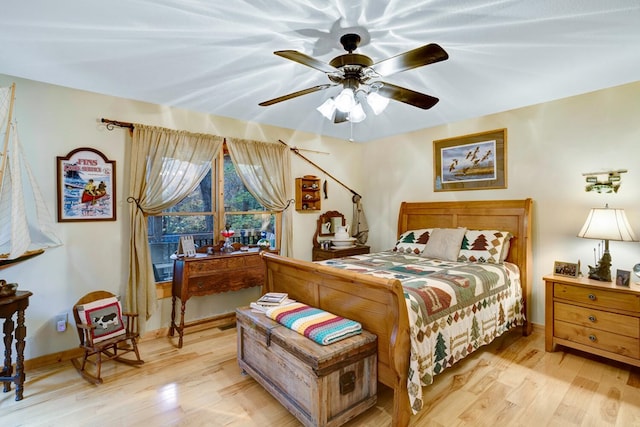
(303,59)
(295,94)
(407,96)
(340,117)
(424,55)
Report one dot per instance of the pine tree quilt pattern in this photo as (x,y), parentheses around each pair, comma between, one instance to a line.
(454,307)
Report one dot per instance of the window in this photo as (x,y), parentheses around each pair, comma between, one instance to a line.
(220,200)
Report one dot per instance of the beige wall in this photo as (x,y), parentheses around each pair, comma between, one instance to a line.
(549,147)
(54,120)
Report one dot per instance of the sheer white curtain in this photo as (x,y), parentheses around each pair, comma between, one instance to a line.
(165,166)
(265,169)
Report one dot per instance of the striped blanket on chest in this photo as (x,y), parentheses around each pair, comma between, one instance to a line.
(316,324)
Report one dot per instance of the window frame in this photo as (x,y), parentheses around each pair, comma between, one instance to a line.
(217,212)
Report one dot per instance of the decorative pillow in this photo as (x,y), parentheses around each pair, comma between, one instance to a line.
(505,249)
(413,241)
(106,315)
(491,246)
(444,243)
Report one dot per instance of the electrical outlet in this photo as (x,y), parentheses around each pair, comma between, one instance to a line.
(61,322)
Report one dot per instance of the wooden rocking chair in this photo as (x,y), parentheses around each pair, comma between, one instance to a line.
(105,333)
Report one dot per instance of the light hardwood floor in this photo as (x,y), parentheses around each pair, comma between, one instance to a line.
(512,382)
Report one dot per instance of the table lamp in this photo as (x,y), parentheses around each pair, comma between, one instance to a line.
(606,224)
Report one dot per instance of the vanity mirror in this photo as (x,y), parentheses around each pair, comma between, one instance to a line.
(327,225)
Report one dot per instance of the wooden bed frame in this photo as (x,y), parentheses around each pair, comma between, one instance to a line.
(379,304)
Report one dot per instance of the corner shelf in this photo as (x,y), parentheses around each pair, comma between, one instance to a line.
(308,194)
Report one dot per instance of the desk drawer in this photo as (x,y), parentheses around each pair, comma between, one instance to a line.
(601,298)
(228,263)
(597,319)
(602,340)
(225,281)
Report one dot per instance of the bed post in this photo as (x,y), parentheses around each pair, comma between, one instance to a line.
(401,408)
(527,263)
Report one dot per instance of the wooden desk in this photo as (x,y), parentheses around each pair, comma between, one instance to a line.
(8,307)
(212,274)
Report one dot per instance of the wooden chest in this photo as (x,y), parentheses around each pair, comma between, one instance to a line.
(320,385)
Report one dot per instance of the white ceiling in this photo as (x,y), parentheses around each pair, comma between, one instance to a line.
(217,56)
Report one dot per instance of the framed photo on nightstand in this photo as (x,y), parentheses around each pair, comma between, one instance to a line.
(623,277)
(569,269)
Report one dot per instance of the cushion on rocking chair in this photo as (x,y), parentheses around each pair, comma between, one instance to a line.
(106,315)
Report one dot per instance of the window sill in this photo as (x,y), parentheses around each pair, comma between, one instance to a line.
(163,290)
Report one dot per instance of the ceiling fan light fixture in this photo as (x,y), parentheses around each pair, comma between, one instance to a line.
(357,114)
(345,101)
(328,108)
(377,102)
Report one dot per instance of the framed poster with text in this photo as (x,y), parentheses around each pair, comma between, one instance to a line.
(86,186)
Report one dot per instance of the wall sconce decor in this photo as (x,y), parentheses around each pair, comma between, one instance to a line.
(604,182)
(606,224)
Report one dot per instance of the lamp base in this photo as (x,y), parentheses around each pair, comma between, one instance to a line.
(602,271)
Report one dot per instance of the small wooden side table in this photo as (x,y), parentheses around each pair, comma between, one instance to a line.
(8,307)
(319,254)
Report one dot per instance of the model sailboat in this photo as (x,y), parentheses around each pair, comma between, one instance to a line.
(26,226)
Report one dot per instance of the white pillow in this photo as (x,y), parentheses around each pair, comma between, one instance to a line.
(444,243)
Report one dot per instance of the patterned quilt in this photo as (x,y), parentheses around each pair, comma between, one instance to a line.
(454,307)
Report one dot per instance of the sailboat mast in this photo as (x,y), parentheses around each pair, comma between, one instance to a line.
(6,135)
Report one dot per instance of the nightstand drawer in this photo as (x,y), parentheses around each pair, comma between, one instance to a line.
(597,319)
(614,343)
(602,298)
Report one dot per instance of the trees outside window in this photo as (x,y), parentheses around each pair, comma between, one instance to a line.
(220,200)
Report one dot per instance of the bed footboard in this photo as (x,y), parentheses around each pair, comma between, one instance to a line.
(376,303)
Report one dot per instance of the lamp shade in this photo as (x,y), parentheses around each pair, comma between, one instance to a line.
(345,100)
(377,102)
(357,114)
(328,108)
(607,224)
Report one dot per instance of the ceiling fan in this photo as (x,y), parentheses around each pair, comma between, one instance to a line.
(360,78)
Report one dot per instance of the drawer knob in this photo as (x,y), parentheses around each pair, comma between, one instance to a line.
(592,318)
(592,297)
(592,338)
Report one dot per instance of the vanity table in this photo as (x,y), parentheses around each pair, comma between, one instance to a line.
(326,227)
(320,254)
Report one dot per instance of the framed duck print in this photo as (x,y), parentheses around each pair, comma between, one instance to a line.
(471,162)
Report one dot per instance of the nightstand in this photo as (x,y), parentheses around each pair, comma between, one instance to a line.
(592,316)
(320,254)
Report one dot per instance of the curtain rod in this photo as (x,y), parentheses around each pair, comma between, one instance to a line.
(297,151)
(111,123)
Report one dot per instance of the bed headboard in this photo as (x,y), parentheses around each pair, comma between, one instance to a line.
(513,216)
